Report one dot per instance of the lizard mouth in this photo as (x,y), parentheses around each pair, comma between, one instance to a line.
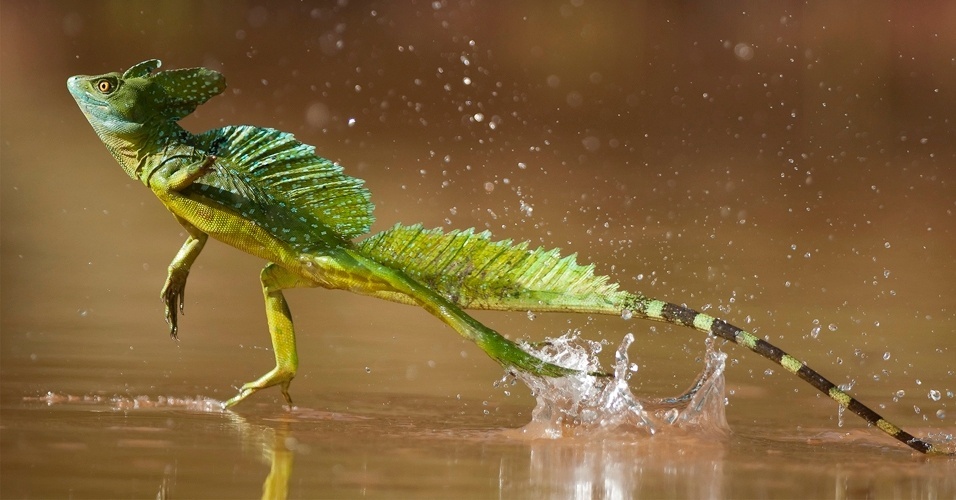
(82,96)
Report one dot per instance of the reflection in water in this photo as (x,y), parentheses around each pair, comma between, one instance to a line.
(275,446)
(586,465)
(611,468)
(271,442)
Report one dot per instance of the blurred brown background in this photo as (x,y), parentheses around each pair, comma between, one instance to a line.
(790,167)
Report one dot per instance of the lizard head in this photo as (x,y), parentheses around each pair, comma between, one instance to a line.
(127,104)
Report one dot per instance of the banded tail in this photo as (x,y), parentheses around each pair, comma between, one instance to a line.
(679,315)
(472,271)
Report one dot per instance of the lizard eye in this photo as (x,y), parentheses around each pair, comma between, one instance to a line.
(105,86)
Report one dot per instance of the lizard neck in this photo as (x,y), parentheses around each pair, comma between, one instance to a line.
(138,150)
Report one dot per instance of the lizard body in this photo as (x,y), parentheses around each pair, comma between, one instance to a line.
(265,193)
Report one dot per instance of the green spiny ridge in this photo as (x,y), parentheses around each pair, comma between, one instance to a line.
(275,170)
(475,272)
(265,193)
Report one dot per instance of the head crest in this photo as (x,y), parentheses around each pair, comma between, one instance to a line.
(142,69)
(181,90)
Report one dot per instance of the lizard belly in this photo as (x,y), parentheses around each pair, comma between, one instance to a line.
(233,229)
(332,268)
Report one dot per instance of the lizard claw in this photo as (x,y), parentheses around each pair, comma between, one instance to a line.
(277,376)
(173,294)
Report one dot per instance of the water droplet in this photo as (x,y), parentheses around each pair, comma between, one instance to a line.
(351,122)
(768,371)
(832,327)
(940,414)
(886,356)
(671,416)
(886,244)
(935,395)
(525,208)
(531,316)
(743,51)
(368,370)
(626,314)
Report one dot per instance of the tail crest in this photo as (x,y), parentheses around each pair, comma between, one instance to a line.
(474,272)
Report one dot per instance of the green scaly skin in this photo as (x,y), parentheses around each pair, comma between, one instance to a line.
(266,194)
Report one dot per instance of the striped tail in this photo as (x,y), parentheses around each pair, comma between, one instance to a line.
(679,315)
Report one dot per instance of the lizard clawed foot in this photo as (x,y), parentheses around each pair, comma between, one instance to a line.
(244,392)
(275,377)
(173,295)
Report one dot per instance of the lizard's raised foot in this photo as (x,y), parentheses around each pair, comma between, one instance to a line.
(173,296)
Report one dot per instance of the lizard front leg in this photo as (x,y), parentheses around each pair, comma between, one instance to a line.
(174,289)
(274,279)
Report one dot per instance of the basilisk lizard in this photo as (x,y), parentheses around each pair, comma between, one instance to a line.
(263,192)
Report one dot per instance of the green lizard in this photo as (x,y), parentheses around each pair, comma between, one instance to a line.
(265,193)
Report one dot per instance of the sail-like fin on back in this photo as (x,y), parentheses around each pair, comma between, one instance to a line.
(475,272)
(275,170)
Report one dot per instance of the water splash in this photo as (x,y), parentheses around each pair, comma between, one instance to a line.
(125,402)
(584,404)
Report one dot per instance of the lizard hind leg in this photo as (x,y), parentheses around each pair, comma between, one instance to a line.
(274,279)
